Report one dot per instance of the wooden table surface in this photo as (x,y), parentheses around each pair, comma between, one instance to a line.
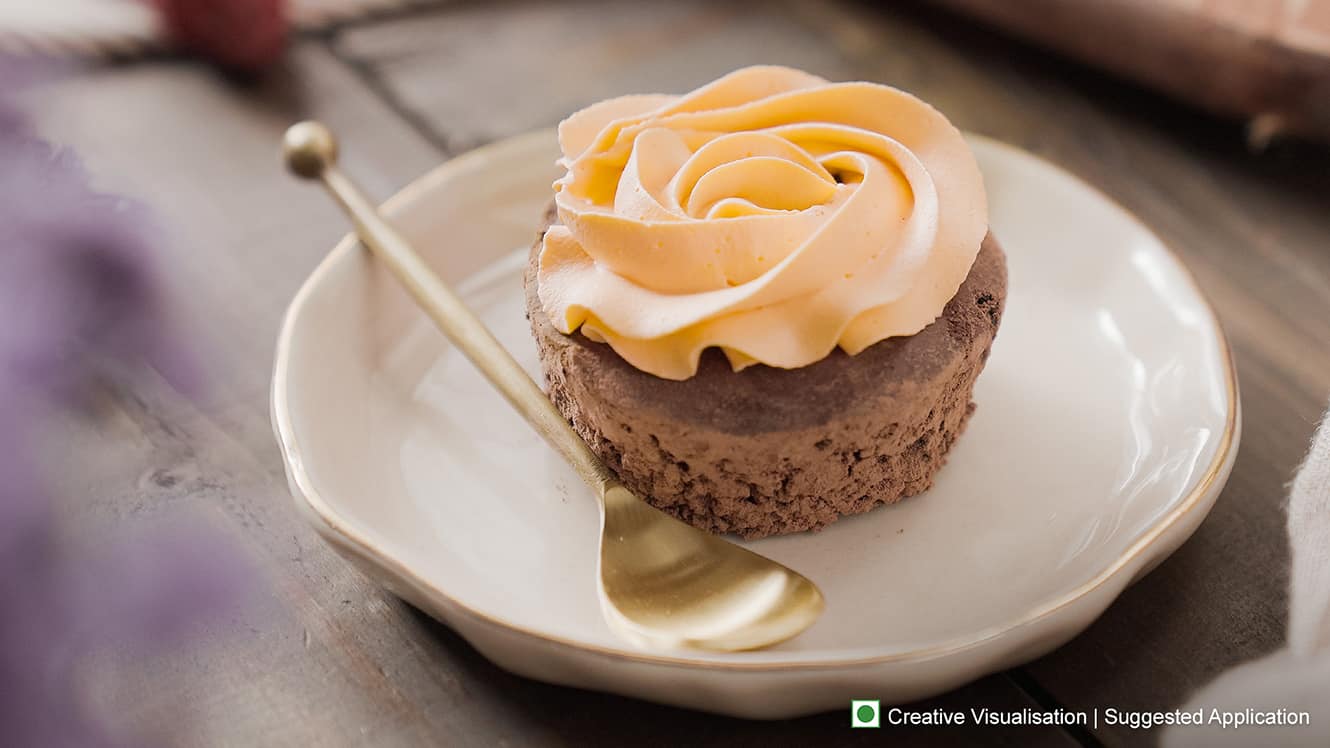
(327,658)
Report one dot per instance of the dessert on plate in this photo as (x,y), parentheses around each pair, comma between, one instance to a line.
(765,303)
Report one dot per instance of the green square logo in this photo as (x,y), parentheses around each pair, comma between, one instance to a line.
(865,713)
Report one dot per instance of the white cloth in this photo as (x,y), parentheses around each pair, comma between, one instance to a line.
(122,27)
(1296,678)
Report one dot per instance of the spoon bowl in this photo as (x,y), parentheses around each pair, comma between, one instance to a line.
(667,584)
(663,583)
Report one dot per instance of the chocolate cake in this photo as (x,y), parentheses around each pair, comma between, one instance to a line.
(767,451)
(764,303)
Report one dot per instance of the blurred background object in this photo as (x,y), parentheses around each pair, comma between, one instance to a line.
(83,308)
(1265,61)
(246,35)
(241,34)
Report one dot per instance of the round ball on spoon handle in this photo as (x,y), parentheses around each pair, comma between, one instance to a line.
(309,148)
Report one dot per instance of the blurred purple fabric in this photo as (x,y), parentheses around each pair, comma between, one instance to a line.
(79,292)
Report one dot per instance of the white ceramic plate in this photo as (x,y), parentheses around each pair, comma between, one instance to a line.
(1107,425)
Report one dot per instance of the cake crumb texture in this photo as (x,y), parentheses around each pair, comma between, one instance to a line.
(769,451)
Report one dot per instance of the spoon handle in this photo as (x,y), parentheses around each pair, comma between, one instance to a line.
(311,152)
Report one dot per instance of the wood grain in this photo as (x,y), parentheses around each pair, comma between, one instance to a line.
(328,659)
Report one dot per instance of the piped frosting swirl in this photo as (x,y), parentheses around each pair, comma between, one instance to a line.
(770,214)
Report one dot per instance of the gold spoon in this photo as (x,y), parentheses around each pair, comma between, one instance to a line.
(663,583)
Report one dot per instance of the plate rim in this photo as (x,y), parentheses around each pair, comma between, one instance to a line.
(344,536)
